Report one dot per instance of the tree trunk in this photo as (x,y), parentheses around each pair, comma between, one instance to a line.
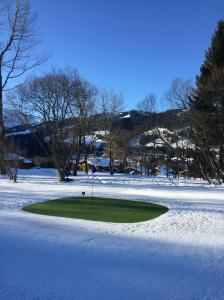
(75,170)
(2,128)
(85,155)
(221,159)
(125,163)
(61,174)
(203,174)
(111,163)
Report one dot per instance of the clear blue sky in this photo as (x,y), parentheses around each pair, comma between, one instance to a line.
(134,46)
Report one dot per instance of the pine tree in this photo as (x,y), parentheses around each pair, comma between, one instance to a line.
(208,105)
(211,71)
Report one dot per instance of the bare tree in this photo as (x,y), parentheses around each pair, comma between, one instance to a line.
(149,154)
(10,160)
(111,104)
(123,138)
(18,41)
(179,93)
(47,100)
(199,132)
(148,104)
(194,135)
(82,108)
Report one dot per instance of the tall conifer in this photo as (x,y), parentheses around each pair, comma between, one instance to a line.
(208,103)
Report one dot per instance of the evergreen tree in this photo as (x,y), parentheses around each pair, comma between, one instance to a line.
(208,105)
(211,72)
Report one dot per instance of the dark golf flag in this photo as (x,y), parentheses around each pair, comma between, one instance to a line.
(93,169)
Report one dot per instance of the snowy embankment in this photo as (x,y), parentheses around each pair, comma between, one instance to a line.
(179,255)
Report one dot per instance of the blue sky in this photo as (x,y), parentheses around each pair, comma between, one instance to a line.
(136,46)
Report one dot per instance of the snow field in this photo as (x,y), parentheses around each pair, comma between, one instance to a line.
(179,255)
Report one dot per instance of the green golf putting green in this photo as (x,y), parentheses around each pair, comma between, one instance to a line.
(99,209)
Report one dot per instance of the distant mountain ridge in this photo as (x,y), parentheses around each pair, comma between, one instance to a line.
(135,122)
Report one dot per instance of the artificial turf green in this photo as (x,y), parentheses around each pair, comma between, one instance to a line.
(98,209)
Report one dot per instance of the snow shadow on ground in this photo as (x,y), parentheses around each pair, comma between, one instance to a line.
(102,267)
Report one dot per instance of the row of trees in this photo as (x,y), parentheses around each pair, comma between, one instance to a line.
(50,100)
(68,108)
(202,109)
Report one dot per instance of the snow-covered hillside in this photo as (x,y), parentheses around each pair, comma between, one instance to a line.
(179,255)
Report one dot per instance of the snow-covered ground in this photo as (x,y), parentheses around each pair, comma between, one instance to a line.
(179,255)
